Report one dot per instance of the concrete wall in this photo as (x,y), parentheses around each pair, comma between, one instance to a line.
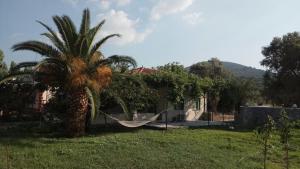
(251,117)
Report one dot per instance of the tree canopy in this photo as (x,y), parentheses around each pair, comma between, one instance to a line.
(282,60)
(213,69)
(177,81)
(238,92)
(3,66)
(217,75)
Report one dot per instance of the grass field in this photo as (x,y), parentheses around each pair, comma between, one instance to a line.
(143,148)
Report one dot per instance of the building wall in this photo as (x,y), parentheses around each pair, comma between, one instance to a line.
(189,113)
(251,117)
(41,98)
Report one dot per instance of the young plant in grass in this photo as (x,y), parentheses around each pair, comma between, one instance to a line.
(264,134)
(284,129)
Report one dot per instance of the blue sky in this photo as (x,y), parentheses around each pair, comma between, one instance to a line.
(156,32)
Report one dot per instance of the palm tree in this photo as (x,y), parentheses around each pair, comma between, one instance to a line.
(73,63)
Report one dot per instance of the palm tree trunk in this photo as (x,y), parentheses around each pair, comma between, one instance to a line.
(76,113)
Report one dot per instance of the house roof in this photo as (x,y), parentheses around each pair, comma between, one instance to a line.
(143,70)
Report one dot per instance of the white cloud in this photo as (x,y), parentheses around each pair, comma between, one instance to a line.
(167,7)
(119,22)
(193,18)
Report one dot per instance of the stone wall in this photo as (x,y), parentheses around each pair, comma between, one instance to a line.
(251,117)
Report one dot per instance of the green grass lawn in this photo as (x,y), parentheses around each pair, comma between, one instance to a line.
(144,148)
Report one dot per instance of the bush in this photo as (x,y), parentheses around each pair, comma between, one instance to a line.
(296,124)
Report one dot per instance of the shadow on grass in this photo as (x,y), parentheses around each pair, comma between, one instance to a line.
(36,130)
(231,128)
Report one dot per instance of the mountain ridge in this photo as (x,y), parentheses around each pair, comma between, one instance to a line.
(240,70)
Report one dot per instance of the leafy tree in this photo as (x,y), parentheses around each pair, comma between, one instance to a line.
(73,64)
(214,70)
(3,67)
(214,93)
(1,55)
(282,59)
(264,135)
(238,92)
(285,134)
(12,66)
(131,93)
(173,80)
(174,67)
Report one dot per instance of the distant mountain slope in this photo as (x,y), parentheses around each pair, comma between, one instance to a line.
(239,70)
(243,71)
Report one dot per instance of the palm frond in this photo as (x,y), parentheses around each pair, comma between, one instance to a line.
(72,29)
(102,41)
(14,76)
(53,61)
(123,105)
(90,37)
(53,40)
(116,59)
(53,37)
(92,32)
(71,32)
(83,48)
(94,102)
(118,100)
(38,47)
(63,32)
(23,65)
(85,22)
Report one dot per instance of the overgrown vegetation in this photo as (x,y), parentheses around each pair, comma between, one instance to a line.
(282,80)
(3,67)
(130,93)
(176,82)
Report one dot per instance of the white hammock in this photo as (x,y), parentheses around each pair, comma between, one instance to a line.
(135,123)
